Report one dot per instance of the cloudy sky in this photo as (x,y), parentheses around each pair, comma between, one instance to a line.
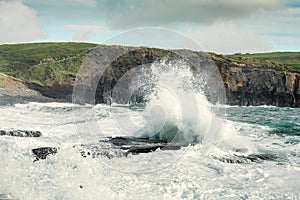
(222,26)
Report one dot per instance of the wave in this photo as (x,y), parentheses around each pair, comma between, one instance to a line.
(175,111)
(178,112)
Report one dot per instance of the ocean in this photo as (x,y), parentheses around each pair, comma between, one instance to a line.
(166,148)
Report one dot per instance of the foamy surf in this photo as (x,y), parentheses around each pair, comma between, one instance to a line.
(154,150)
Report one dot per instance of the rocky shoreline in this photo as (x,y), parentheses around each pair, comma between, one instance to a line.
(14,91)
(10,96)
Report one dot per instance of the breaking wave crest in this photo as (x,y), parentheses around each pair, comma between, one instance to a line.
(176,111)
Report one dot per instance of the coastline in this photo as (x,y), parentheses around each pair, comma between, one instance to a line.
(247,82)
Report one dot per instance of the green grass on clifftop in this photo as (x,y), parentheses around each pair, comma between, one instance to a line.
(43,63)
(291,60)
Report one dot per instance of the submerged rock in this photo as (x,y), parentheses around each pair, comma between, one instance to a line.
(145,149)
(239,159)
(20,133)
(43,152)
(123,146)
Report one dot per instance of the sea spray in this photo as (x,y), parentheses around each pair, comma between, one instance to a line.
(176,111)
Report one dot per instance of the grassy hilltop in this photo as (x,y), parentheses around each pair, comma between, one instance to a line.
(48,64)
(291,60)
(43,63)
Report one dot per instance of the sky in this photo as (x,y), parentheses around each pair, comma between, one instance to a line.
(221,26)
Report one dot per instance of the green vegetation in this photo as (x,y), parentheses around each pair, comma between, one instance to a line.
(291,60)
(49,64)
(159,52)
(1,80)
(43,63)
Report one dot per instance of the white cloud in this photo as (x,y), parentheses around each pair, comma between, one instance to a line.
(63,3)
(132,13)
(89,3)
(280,28)
(293,11)
(84,32)
(18,23)
(226,37)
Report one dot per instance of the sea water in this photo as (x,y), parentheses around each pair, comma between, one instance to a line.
(255,155)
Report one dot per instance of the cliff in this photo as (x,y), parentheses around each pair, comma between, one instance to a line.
(255,84)
(246,81)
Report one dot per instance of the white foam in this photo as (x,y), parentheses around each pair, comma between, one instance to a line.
(189,175)
(175,108)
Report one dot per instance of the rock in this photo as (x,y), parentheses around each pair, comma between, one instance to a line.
(239,159)
(112,147)
(61,93)
(43,152)
(253,83)
(260,86)
(20,133)
(13,91)
(147,149)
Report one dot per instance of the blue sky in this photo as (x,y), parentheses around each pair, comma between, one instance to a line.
(222,26)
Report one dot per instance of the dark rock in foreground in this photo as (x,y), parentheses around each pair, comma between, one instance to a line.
(43,152)
(138,150)
(20,133)
(239,159)
(123,146)
(114,147)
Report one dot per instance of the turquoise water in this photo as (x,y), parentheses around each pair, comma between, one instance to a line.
(282,121)
(274,130)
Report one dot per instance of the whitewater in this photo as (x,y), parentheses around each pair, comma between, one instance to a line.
(199,150)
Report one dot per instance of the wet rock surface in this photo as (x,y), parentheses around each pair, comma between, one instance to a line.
(20,133)
(43,152)
(241,159)
(123,146)
(116,147)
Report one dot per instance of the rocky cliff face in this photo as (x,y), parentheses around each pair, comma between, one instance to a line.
(261,86)
(244,83)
